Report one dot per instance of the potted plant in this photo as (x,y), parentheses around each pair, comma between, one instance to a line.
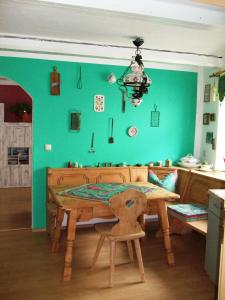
(22,110)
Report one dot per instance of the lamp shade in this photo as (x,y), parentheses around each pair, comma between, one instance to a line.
(134,80)
(136,77)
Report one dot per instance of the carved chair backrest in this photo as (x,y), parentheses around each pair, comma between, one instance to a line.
(127,207)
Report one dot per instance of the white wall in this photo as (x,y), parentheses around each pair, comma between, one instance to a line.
(206,152)
(220,163)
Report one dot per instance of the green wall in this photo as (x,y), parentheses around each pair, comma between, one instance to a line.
(174,93)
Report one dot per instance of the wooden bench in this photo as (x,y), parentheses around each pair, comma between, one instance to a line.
(193,187)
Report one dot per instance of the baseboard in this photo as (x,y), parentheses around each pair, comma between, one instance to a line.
(38,229)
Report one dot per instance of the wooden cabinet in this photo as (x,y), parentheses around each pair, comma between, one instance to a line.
(15,169)
(221,292)
(214,255)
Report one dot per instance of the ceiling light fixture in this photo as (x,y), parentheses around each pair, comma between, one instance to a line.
(135,77)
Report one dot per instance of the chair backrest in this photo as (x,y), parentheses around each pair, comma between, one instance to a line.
(127,207)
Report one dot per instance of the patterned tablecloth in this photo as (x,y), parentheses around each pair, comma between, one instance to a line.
(102,191)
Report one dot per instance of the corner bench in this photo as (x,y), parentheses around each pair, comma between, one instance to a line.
(193,187)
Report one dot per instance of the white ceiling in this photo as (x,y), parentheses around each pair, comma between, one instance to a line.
(166,25)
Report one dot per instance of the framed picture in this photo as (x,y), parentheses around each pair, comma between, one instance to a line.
(212,117)
(206,118)
(209,137)
(207,93)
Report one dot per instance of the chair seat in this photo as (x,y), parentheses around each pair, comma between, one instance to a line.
(106,229)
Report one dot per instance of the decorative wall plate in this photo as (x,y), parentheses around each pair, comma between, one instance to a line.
(132,131)
(99,103)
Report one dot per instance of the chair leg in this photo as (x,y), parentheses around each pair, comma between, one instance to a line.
(130,250)
(98,249)
(139,259)
(112,262)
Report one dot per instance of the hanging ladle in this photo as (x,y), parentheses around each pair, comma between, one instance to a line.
(92,149)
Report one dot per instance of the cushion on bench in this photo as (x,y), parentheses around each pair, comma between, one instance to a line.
(188,212)
(168,182)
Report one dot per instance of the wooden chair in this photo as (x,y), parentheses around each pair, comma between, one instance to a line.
(127,207)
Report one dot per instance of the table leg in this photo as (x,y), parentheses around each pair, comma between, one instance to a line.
(57,233)
(141,220)
(165,230)
(72,216)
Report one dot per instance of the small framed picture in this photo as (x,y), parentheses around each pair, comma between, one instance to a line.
(206,118)
(213,117)
(99,103)
(207,93)
(209,137)
(75,121)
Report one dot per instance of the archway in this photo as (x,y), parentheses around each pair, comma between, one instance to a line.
(16,158)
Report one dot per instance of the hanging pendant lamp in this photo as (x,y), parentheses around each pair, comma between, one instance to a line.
(135,77)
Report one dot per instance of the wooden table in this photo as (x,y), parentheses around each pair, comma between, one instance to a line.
(82,209)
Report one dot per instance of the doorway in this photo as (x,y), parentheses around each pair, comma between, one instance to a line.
(15,157)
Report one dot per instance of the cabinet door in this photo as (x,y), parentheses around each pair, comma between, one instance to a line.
(213,240)
(3,177)
(15,136)
(28,136)
(13,176)
(25,175)
(222,271)
(3,156)
(19,136)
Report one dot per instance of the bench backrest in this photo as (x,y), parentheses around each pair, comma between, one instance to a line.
(79,176)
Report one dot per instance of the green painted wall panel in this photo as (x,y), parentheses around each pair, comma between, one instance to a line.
(174,93)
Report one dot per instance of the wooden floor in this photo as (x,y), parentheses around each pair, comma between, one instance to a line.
(29,271)
(15,208)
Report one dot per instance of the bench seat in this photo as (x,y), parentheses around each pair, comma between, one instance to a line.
(193,187)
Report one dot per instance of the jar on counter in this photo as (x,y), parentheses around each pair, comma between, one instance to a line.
(159,163)
(168,163)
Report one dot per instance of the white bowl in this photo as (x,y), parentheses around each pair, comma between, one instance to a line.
(189,159)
